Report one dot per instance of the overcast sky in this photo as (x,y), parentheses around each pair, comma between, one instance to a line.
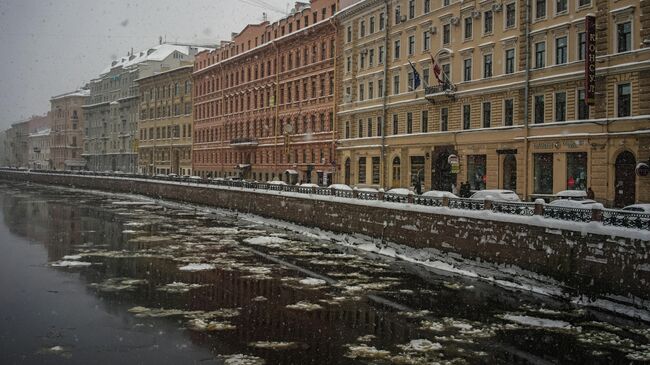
(52,47)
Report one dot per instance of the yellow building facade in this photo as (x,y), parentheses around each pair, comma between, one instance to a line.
(508,103)
(165,126)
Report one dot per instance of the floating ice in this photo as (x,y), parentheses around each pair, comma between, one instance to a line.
(198,324)
(65,263)
(306,306)
(239,359)
(72,257)
(275,345)
(268,241)
(536,322)
(259,299)
(421,345)
(366,352)
(196,267)
(312,282)
(177,287)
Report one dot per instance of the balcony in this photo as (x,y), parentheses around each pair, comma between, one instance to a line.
(443,92)
(243,142)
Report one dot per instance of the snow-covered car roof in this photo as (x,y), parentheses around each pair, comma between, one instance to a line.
(399,191)
(569,203)
(439,194)
(645,208)
(339,187)
(276,182)
(497,194)
(571,194)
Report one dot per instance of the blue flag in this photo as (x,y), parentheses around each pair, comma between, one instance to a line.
(416,77)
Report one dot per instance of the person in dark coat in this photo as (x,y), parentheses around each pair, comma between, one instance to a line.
(590,194)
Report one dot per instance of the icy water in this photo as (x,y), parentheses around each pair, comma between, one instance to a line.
(102,279)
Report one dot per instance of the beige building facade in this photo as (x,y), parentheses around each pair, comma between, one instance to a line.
(67,135)
(508,103)
(165,125)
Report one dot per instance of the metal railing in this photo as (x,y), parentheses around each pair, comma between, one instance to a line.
(608,217)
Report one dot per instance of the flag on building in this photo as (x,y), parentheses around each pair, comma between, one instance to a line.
(436,70)
(416,77)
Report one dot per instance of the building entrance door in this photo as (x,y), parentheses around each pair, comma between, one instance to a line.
(625,180)
(347,172)
(441,177)
(510,172)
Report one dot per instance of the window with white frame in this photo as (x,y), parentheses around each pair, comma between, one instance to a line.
(426,40)
(582,109)
(582,43)
(540,9)
(510,61)
(624,100)
(446,34)
(487,114)
(488,20)
(411,45)
(561,6)
(540,54)
(508,112)
(511,15)
(467,69)
(539,109)
(560,50)
(397,49)
(468,27)
(396,84)
(487,65)
(560,106)
(624,37)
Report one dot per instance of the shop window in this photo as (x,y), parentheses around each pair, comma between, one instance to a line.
(509,112)
(476,171)
(362,170)
(396,171)
(543,173)
(375,170)
(576,171)
(417,170)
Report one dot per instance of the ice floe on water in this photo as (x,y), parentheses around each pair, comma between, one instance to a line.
(312,282)
(366,338)
(177,287)
(421,345)
(535,321)
(260,299)
(364,351)
(268,241)
(118,284)
(66,263)
(198,324)
(305,306)
(277,345)
(239,359)
(72,257)
(196,267)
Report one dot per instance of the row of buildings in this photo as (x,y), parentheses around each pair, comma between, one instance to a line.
(521,95)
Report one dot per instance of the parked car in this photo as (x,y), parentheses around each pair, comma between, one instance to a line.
(276,182)
(571,203)
(340,187)
(572,194)
(496,194)
(640,208)
(308,185)
(399,191)
(439,194)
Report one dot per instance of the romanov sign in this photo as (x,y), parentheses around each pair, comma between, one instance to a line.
(590,59)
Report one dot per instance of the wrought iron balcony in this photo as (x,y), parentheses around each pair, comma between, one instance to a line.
(440,92)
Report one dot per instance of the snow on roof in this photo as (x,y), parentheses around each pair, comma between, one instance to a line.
(157,53)
(80,92)
(40,133)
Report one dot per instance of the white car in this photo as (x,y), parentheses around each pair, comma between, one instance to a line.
(399,191)
(276,182)
(440,194)
(570,203)
(641,208)
(572,194)
(340,187)
(367,190)
(496,194)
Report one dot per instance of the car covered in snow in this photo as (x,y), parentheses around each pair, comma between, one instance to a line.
(276,182)
(572,203)
(308,185)
(496,194)
(439,194)
(572,195)
(639,208)
(340,187)
(399,191)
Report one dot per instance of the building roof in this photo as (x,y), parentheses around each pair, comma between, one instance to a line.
(40,133)
(184,67)
(80,92)
(157,53)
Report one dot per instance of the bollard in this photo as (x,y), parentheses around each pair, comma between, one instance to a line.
(313,190)
(597,212)
(445,201)
(487,204)
(355,193)
(380,194)
(333,191)
(539,206)
(410,198)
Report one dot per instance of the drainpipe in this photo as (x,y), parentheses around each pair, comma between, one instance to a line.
(277,110)
(526,98)
(335,107)
(384,97)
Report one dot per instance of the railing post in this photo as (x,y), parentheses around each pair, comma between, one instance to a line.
(410,198)
(313,190)
(597,212)
(539,206)
(487,204)
(333,191)
(355,193)
(380,194)
(445,201)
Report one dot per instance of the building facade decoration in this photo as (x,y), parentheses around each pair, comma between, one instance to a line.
(67,135)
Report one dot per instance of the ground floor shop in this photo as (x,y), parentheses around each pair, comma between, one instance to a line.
(124,162)
(154,160)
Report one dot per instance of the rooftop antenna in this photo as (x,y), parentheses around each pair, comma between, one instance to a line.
(159,39)
(264,17)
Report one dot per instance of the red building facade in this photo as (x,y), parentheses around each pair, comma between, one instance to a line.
(264,102)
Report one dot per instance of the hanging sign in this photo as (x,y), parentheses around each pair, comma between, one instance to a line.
(590,59)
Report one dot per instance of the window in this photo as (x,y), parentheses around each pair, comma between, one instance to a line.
(372,25)
(540,54)
(411,81)
(583,3)
(349,34)
(583,108)
(427,6)
(444,119)
(511,15)
(362,60)
(380,55)
(624,36)
(487,114)
(510,61)
(371,57)
(380,88)
(411,9)
(361,91)
(362,28)
(576,171)
(395,84)
(347,130)
(543,173)
(560,106)
(508,112)
(375,170)
(397,46)
(424,121)
(467,116)
(362,170)
(360,129)
(468,27)
(425,76)
(582,43)
(623,100)
(476,171)
(411,45)
(348,64)
(396,170)
(446,34)
(561,6)
(487,65)
(409,123)
(370,90)
(560,51)
(398,15)
(540,9)
(369,127)
(379,126)
(426,39)
(487,22)
(539,109)
(395,124)
(382,21)
(467,69)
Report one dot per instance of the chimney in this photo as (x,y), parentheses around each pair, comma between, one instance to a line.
(160,40)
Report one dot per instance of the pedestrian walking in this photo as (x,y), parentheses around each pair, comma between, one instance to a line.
(590,194)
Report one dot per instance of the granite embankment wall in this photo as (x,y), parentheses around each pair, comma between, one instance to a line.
(586,256)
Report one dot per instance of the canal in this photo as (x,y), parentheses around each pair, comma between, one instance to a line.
(93,278)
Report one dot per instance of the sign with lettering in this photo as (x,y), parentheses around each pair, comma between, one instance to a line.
(590,59)
(642,169)
(455,163)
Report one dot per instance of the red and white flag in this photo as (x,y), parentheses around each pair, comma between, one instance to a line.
(436,70)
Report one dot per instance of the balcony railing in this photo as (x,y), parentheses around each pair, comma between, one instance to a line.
(439,92)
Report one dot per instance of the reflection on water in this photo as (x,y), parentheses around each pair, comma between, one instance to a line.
(246,293)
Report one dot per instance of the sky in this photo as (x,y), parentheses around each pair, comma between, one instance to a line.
(50,47)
